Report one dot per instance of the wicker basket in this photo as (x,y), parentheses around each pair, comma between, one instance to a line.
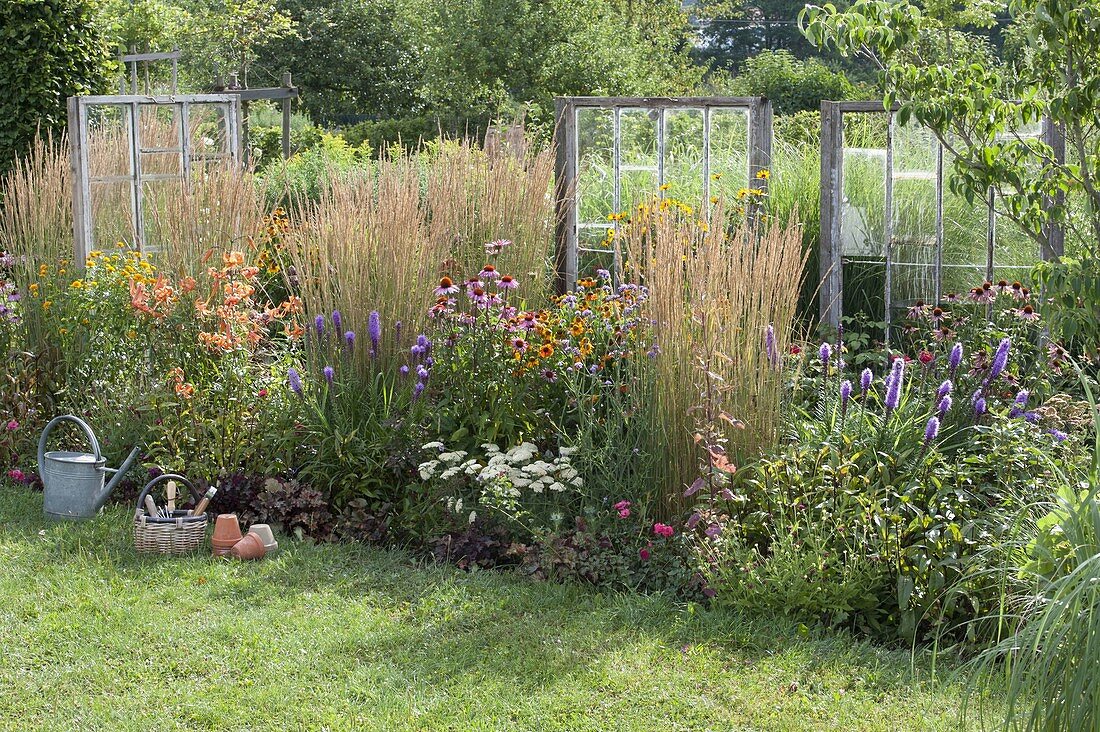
(178,534)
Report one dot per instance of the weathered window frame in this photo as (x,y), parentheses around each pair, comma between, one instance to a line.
(78,109)
(567,161)
(831,256)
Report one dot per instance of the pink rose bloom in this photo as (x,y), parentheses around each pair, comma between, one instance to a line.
(663,530)
(623,507)
(644,554)
(17,475)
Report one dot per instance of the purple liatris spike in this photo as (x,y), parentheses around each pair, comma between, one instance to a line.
(329,373)
(826,352)
(319,324)
(944,406)
(1000,358)
(404,370)
(945,388)
(337,321)
(769,346)
(845,395)
(294,380)
(374,330)
(931,429)
(979,406)
(397,330)
(956,357)
(349,340)
(893,391)
(865,380)
(418,389)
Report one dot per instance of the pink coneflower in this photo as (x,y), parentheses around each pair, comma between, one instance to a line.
(943,333)
(507,282)
(980,295)
(477,295)
(472,283)
(1027,313)
(952,297)
(528,321)
(488,272)
(497,246)
(1017,291)
(446,287)
(936,316)
(1002,287)
(917,310)
(519,345)
(550,375)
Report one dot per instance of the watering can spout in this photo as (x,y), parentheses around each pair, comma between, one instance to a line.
(119,473)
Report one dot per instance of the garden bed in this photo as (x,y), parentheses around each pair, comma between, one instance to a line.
(343,636)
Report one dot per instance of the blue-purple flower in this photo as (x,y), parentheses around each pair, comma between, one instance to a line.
(979,406)
(294,380)
(826,353)
(319,324)
(944,406)
(329,374)
(349,340)
(956,357)
(374,331)
(893,389)
(945,388)
(1000,358)
(845,395)
(337,321)
(931,429)
(865,379)
(1019,405)
(769,345)
(1058,435)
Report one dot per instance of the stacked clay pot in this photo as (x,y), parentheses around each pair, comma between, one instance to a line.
(227,532)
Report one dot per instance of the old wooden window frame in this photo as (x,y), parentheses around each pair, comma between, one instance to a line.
(831,256)
(132,104)
(567,161)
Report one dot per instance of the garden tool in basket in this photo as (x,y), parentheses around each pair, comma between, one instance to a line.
(73,482)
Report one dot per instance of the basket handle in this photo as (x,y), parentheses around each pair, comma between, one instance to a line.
(196,494)
(53,423)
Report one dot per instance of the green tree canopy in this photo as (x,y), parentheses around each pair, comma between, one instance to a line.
(49,51)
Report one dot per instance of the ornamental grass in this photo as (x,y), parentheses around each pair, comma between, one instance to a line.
(712,297)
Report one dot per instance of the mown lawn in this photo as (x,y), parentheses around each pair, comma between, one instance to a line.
(93,636)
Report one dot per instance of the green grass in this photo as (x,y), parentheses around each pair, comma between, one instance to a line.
(94,636)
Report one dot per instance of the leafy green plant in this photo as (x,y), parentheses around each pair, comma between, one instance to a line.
(49,50)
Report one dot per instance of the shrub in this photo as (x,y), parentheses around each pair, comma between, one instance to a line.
(49,50)
(792,84)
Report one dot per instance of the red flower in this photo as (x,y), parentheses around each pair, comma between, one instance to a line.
(643,553)
(262,393)
(663,530)
(926,358)
(795,350)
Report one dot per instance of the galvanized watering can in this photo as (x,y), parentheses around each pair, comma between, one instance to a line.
(73,481)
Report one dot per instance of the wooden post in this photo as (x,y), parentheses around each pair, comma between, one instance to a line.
(287,84)
(80,186)
(565,173)
(1054,135)
(830,292)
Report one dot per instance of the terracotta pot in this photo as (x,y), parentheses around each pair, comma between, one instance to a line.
(250,547)
(227,532)
(268,538)
(227,528)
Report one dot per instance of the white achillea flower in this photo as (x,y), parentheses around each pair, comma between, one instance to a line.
(433,446)
(427,470)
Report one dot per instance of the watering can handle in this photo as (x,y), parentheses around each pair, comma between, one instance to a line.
(49,427)
(196,494)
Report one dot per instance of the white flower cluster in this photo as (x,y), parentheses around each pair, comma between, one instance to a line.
(520,467)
